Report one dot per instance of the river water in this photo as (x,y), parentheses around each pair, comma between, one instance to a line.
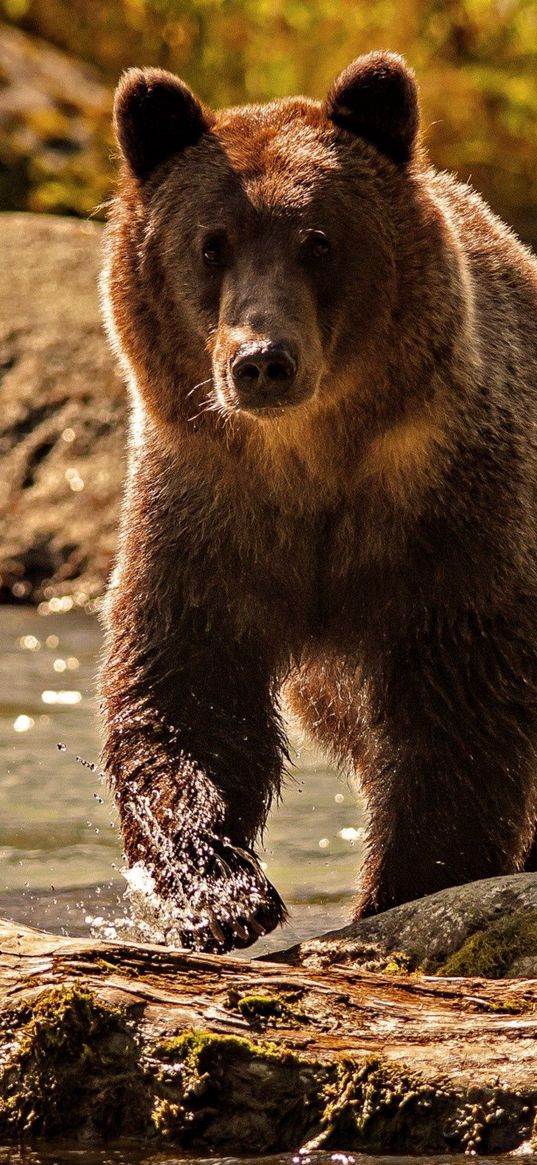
(129,1156)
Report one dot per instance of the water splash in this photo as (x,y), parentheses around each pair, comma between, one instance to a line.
(191,886)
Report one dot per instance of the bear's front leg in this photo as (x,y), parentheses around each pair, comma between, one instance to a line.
(451,776)
(194,749)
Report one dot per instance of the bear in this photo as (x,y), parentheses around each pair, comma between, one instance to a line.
(331,351)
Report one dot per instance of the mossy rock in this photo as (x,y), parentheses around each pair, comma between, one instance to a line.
(443,933)
(491,953)
(73,1066)
(227,1094)
(376,1106)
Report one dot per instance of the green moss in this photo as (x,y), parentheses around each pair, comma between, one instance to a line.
(228,1094)
(167,1118)
(105,966)
(199,1050)
(508,1007)
(398,963)
(490,953)
(260,1007)
(72,1064)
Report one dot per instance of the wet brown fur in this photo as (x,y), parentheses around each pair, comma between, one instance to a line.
(372,547)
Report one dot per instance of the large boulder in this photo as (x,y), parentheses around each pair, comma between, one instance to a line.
(62,423)
(486,929)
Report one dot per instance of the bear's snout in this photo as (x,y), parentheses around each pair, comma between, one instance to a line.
(263,374)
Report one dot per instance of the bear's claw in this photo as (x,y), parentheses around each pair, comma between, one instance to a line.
(233,909)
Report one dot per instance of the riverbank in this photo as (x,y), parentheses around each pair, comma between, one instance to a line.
(62,428)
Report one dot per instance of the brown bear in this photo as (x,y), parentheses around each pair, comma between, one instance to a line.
(332,355)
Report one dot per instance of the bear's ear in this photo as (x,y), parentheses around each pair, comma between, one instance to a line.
(376,98)
(155,116)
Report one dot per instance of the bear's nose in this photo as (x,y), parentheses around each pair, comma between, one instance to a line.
(264,371)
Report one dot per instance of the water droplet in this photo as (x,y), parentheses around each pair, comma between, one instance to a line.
(23,723)
(351,834)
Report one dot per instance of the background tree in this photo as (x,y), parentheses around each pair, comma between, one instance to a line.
(475,59)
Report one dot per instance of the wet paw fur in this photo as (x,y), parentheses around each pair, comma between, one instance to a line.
(206,893)
(233,903)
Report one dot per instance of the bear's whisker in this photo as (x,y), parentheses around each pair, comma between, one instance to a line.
(201,384)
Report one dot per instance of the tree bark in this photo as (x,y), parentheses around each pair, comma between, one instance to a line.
(224,1055)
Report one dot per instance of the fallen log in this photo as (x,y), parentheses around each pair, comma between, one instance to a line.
(221,1055)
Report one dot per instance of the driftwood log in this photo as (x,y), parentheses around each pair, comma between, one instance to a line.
(227,1056)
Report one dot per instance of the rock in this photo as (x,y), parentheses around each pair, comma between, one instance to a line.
(62,427)
(524,968)
(486,928)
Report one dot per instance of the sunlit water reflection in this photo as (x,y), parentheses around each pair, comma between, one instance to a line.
(59,847)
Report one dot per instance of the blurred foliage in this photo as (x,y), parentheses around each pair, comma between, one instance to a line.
(475,59)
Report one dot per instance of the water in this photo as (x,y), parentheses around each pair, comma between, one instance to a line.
(132,1156)
(60,852)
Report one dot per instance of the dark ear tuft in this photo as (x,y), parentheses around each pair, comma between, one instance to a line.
(376,98)
(155,116)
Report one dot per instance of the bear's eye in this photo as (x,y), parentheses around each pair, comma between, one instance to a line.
(215,250)
(315,245)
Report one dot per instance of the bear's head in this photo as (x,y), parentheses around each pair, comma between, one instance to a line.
(253,252)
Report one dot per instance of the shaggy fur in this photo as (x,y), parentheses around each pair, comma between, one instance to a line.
(365,536)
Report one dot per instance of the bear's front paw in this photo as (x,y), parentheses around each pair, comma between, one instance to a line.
(203,892)
(230,901)
(187,880)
